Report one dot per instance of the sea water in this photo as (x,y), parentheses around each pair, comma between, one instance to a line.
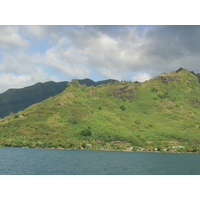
(28,161)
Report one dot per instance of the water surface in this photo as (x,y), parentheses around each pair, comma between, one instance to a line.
(22,161)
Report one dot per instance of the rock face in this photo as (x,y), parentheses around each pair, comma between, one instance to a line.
(166,79)
(128,93)
(182,75)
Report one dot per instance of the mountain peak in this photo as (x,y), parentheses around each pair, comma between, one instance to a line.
(181,69)
(181,75)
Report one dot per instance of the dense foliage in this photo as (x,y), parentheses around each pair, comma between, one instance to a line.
(161,114)
(14,100)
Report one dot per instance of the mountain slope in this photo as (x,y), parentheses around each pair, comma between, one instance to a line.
(162,113)
(14,100)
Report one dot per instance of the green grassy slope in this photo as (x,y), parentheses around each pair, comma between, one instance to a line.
(160,114)
(14,100)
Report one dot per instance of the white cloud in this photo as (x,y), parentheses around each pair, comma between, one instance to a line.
(36,31)
(67,60)
(10,39)
(53,32)
(112,57)
(141,77)
(19,62)
(21,69)
(8,80)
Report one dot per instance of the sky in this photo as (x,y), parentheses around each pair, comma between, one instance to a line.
(37,53)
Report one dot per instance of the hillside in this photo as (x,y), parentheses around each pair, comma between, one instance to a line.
(162,114)
(14,100)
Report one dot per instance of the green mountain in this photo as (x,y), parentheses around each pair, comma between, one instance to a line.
(162,114)
(14,100)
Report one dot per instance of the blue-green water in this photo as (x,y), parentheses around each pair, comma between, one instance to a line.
(23,161)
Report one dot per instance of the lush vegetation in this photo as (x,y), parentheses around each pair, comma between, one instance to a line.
(14,100)
(161,114)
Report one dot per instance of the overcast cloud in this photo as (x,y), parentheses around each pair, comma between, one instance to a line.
(31,54)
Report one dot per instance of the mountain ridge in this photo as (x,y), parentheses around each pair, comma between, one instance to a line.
(161,114)
(14,100)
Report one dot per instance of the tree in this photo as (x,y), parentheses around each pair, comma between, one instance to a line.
(122,108)
(75,82)
(86,132)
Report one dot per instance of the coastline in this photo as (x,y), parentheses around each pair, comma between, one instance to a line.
(113,150)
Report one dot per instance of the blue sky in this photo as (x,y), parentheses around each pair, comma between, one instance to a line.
(31,54)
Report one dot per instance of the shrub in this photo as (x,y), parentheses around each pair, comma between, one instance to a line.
(137,121)
(122,108)
(86,132)
(73,121)
(16,116)
(154,90)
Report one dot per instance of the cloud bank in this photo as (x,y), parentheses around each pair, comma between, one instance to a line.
(30,54)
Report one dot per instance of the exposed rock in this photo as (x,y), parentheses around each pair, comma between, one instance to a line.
(59,104)
(166,79)
(127,93)
(98,141)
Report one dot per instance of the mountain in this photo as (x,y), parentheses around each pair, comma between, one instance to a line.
(161,114)
(14,100)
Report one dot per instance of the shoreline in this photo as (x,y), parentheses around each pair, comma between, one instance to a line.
(98,150)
